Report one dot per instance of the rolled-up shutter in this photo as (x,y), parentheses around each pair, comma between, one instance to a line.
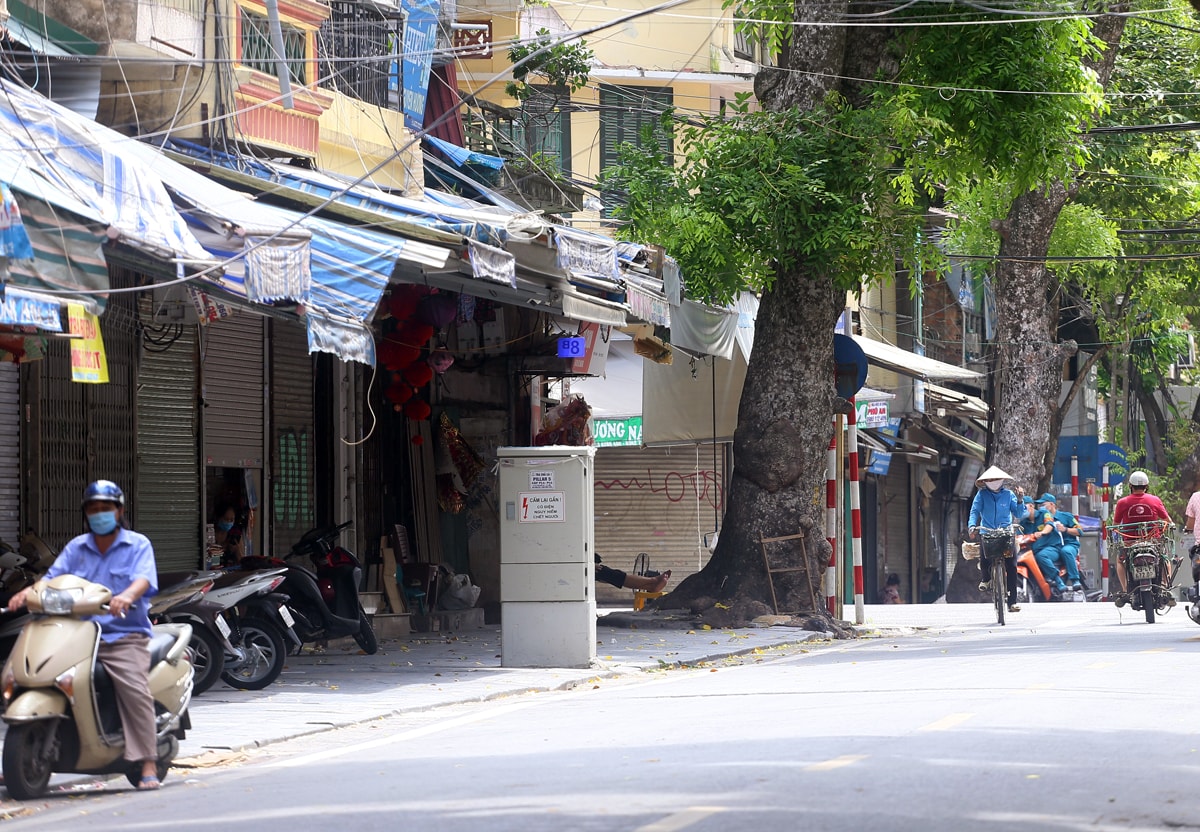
(233,392)
(168,495)
(661,501)
(10,454)
(292,462)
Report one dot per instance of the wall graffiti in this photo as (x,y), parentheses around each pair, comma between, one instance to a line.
(291,501)
(675,486)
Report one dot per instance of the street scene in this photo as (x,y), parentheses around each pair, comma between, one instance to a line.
(953,723)
(655,415)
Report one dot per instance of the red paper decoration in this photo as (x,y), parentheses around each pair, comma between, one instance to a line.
(415,334)
(398,393)
(418,440)
(419,374)
(417,409)
(438,310)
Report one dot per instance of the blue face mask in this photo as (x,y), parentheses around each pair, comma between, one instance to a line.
(102,522)
(224,525)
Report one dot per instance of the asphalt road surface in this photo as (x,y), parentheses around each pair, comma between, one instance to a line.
(1079,721)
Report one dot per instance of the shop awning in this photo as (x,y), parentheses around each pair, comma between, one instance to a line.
(955,403)
(968,446)
(910,364)
(45,34)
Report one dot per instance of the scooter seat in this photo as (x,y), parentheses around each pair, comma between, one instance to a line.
(160,644)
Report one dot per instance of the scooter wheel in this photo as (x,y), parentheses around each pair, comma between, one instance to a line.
(266,652)
(168,750)
(30,750)
(365,637)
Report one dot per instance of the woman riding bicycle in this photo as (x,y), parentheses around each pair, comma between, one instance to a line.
(996,507)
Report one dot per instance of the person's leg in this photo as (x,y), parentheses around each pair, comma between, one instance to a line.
(609,575)
(1070,561)
(1010,577)
(1048,562)
(985,572)
(127,661)
(645,583)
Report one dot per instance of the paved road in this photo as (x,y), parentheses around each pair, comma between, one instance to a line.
(1071,717)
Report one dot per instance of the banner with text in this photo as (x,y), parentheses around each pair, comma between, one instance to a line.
(89,365)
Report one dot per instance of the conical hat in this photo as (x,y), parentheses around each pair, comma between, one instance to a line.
(993,473)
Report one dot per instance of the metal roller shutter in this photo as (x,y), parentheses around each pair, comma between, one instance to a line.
(82,432)
(661,501)
(168,494)
(234,388)
(10,453)
(292,464)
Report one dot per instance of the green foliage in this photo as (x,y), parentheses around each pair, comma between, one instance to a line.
(561,64)
(1003,101)
(761,194)
(768,21)
(1183,437)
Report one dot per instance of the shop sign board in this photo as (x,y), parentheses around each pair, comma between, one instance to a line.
(614,433)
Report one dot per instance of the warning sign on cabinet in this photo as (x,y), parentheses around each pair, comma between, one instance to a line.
(541,480)
(543,507)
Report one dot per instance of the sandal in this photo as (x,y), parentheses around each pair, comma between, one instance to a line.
(148,783)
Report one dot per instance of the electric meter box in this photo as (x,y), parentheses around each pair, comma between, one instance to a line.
(547,546)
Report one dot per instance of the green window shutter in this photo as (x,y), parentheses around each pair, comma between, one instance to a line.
(624,111)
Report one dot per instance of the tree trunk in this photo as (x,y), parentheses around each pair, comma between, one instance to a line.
(1156,428)
(1030,361)
(785,420)
(1057,420)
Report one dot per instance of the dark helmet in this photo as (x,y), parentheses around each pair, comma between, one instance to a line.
(103,490)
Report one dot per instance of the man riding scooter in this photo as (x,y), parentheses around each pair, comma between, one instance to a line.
(123,561)
(1138,506)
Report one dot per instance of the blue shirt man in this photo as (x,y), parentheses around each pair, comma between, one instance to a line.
(128,558)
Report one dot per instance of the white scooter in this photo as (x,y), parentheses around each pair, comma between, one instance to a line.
(59,702)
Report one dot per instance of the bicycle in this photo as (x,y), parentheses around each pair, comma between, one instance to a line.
(997,544)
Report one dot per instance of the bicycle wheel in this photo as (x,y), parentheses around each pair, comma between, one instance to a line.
(999,590)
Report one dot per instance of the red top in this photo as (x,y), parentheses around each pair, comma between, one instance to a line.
(1137,508)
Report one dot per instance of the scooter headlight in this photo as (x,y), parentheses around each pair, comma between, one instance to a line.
(8,684)
(60,601)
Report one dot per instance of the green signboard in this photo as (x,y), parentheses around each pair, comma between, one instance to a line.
(609,433)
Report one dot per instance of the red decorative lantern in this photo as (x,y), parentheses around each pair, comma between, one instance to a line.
(419,374)
(418,440)
(417,409)
(440,360)
(415,334)
(398,393)
(404,300)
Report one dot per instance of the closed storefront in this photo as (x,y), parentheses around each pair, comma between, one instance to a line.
(77,432)
(292,460)
(168,475)
(10,454)
(233,393)
(665,502)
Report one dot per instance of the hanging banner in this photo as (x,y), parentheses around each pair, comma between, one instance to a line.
(88,362)
(420,41)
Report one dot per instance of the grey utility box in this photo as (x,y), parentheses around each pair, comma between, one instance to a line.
(547,542)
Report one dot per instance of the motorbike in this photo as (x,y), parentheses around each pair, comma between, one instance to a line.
(244,651)
(1144,548)
(61,711)
(323,596)
(19,567)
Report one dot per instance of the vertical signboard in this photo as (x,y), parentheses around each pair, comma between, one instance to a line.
(420,40)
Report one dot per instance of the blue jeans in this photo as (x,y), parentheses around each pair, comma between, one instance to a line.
(1048,559)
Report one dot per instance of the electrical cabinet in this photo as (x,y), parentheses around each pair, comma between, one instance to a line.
(547,545)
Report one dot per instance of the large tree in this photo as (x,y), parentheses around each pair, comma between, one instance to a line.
(807,199)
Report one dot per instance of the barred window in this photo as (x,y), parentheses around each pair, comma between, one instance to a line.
(355,50)
(258,54)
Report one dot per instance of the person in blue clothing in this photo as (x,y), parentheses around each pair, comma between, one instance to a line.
(996,507)
(1064,533)
(122,560)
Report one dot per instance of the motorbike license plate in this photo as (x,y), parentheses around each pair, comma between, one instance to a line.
(1143,572)
(286,615)
(222,626)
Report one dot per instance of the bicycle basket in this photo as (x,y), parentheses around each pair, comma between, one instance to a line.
(970,551)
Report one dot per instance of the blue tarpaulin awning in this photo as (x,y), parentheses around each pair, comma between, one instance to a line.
(462,156)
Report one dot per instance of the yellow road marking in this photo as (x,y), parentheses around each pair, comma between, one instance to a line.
(836,762)
(681,820)
(1034,688)
(946,722)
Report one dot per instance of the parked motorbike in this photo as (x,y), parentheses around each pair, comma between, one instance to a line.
(61,710)
(1144,548)
(323,599)
(246,652)
(19,568)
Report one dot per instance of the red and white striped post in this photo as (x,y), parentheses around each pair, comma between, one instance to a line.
(860,613)
(1075,485)
(1104,530)
(831,478)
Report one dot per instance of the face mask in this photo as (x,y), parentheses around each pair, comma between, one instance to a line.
(224,525)
(994,485)
(102,522)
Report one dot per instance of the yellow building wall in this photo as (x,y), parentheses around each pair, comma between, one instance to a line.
(357,137)
(686,38)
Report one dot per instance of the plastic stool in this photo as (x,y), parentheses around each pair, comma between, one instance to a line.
(640,596)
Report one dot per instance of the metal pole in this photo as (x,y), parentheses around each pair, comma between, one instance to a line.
(831,472)
(1075,485)
(860,616)
(1104,531)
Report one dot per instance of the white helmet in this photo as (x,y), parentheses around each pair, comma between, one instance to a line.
(1138,479)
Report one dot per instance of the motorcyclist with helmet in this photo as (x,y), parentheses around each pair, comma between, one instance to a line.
(1138,506)
(122,560)
(996,507)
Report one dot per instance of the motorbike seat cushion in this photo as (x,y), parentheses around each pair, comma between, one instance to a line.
(160,645)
